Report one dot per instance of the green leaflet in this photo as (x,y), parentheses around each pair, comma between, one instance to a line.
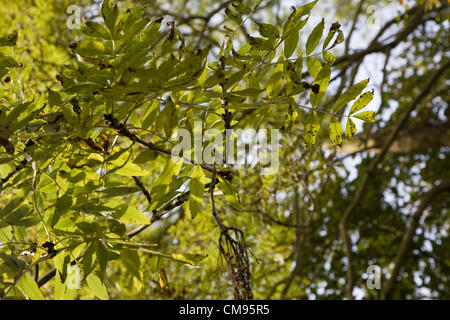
(275,81)
(339,38)
(172,168)
(167,118)
(231,193)
(233,79)
(150,115)
(61,291)
(9,40)
(350,94)
(323,78)
(190,258)
(144,39)
(91,48)
(290,44)
(131,261)
(314,67)
(129,214)
(197,188)
(157,261)
(249,92)
(123,165)
(312,127)
(335,27)
(18,111)
(294,75)
(294,22)
(131,169)
(314,37)
(62,205)
(329,57)
(88,261)
(241,7)
(362,101)
(10,265)
(3,71)
(95,29)
(268,30)
(132,23)
(290,117)
(118,191)
(261,43)
(328,39)
(368,116)
(5,234)
(335,132)
(233,15)
(97,287)
(102,255)
(109,14)
(29,287)
(8,62)
(18,216)
(54,98)
(162,195)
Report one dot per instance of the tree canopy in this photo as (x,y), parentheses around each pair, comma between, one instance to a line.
(96,201)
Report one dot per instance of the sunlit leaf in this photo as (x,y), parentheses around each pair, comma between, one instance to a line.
(268,30)
(314,37)
(97,287)
(335,132)
(275,81)
(312,127)
(131,169)
(368,116)
(362,101)
(8,62)
(110,13)
(290,44)
(197,188)
(314,67)
(129,214)
(350,94)
(350,128)
(323,78)
(9,40)
(29,287)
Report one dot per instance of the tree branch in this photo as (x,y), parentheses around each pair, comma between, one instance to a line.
(155,217)
(408,236)
(143,189)
(122,130)
(372,168)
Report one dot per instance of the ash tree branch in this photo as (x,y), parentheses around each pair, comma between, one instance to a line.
(353,27)
(122,130)
(418,17)
(213,207)
(179,201)
(375,45)
(156,216)
(143,189)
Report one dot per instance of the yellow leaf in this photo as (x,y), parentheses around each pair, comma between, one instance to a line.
(335,132)
(350,128)
(368,116)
